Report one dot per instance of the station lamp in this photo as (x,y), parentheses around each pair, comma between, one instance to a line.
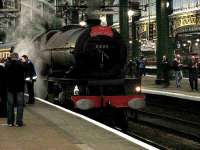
(130,13)
(103,20)
(167,4)
(82,23)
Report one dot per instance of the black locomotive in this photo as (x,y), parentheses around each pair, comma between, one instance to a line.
(84,68)
(95,52)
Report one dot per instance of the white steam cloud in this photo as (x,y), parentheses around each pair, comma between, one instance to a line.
(33,22)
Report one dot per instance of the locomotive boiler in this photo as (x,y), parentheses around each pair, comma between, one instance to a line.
(84,69)
(96,52)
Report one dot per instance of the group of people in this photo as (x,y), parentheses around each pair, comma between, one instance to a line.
(15,72)
(137,68)
(192,66)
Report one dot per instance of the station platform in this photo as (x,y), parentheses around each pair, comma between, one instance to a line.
(50,127)
(185,92)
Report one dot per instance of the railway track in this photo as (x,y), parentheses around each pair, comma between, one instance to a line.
(161,122)
(181,127)
(148,141)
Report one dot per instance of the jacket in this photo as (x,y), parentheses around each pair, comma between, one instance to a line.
(30,73)
(15,76)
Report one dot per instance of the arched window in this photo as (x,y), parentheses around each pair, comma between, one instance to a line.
(185,4)
(144,13)
(152,7)
(193,3)
(177,4)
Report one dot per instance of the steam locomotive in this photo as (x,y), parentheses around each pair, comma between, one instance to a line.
(84,69)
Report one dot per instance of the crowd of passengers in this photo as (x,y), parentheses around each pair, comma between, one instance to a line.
(15,73)
(193,67)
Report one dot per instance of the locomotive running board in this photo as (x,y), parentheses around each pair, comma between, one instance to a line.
(93,82)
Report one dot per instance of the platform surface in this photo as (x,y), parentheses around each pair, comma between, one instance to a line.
(185,92)
(48,128)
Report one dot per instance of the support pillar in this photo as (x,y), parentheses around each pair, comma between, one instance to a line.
(135,42)
(123,20)
(1,4)
(164,42)
(75,13)
(109,19)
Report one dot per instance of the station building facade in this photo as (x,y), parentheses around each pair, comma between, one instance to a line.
(184,29)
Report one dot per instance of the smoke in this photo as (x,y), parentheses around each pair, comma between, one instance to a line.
(93,7)
(33,22)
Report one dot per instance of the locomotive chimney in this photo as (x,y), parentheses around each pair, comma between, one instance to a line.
(92,12)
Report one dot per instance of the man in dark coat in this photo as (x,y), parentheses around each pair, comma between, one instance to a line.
(15,84)
(166,70)
(130,68)
(193,73)
(177,65)
(142,66)
(30,78)
(3,92)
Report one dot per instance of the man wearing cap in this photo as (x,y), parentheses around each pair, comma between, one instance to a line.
(30,78)
(15,85)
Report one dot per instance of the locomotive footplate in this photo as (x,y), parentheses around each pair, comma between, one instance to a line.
(88,94)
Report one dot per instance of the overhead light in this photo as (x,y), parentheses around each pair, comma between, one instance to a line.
(178,45)
(138,89)
(82,23)
(184,44)
(188,35)
(130,13)
(167,4)
(103,20)
(196,44)
(189,41)
(130,42)
(197,40)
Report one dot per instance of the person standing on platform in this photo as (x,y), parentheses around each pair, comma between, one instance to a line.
(178,70)
(3,90)
(15,73)
(30,78)
(166,70)
(193,73)
(142,66)
(130,68)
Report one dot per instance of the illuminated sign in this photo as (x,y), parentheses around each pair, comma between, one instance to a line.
(101,31)
(188,22)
